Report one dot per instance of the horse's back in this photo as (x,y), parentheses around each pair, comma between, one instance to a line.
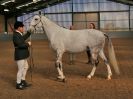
(86,34)
(78,40)
(95,33)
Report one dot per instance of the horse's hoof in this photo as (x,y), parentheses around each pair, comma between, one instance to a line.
(64,80)
(61,80)
(109,78)
(89,77)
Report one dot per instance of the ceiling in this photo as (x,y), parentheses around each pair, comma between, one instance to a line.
(128,2)
(18,7)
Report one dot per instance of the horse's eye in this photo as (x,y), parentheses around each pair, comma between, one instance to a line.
(36,19)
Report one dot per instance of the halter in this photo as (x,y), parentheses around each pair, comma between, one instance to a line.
(38,23)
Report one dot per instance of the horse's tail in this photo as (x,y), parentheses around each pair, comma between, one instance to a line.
(112,57)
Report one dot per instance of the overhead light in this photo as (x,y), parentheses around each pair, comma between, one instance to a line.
(27,4)
(35,1)
(18,7)
(4,3)
(6,10)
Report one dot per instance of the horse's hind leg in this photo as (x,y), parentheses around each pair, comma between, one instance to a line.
(94,62)
(59,65)
(102,55)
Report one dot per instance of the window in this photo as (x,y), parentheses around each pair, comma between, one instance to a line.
(82,21)
(64,20)
(112,6)
(83,6)
(114,21)
(63,7)
(131,17)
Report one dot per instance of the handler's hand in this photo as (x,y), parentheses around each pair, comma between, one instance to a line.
(31,30)
(29,43)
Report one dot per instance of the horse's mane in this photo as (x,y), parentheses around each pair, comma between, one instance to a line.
(51,23)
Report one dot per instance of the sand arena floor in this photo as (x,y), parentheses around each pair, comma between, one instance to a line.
(77,86)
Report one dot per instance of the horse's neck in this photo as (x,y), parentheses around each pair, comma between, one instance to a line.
(49,22)
(50,27)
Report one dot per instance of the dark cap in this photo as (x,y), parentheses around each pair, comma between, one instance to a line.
(18,24)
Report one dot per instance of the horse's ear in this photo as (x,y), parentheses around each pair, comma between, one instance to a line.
(40,13)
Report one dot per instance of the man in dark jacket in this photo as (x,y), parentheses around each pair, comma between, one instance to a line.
(21,54)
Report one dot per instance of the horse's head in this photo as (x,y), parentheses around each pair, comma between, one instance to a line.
(35,23)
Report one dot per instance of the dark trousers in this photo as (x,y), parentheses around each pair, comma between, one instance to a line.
(89,55)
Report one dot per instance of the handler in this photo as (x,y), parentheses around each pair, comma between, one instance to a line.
(21,54)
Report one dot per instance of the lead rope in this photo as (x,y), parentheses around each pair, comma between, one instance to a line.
(31,60)
(31,65)
(31,54)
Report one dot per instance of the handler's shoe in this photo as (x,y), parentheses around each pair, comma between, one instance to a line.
(19,86)
(25,84)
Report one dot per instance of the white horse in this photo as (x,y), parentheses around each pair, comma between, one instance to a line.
(63,40)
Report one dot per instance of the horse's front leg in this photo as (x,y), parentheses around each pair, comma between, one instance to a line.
(58,65)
